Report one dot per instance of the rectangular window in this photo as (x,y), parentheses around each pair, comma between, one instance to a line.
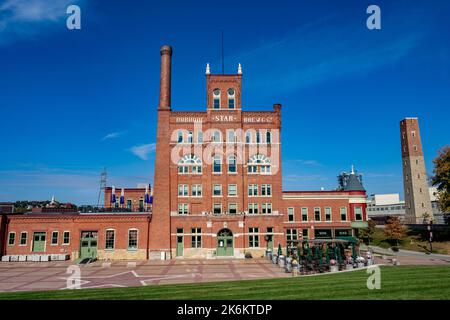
(23,238)
(217,165)
(54,238)
(252,169)
(253,237)
(217,190)
(266,208)
(66,237)
(304,214)
(253,208)
(327,214)
(232,164)
(11,238)
(180,137)
(317,214)
(217,208)
(132,239)
(230,103)
(197,190)
(196,238)
(183,208)
(183,190)
(183,169)
(232,190)
(358,213)
(232,208)
(265,169)
(196,169)
(343,212)
(110,239)
(291,235)
(290,214)
(252,190)
(216,103)
(305,233)
(266,190)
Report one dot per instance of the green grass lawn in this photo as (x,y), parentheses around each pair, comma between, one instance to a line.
(401,282)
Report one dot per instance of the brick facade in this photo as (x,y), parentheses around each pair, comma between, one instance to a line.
(217,188)
(133,198)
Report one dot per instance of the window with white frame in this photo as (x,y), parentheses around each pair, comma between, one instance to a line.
(232,208)
(23,238)
(358,214)
(253,237)
(217,208)
(110,239)
(190,137)
(216,136)
(248,137)
(259,163)
(132,239)
(216,99)
(304,214)
(183,190)
(231,136)
(217,190)
(54,238)
(11,238)
(200,137)
(190,163)
(196,190)
(268,137)
(266,208)
(231,98)
(183,208)
(290,214)
(291,235)
(252,190)
(317,214)
(343,213)
(196,237)
(232,190)
(258,137)
(266,190)
(253,208)
(180,136)
(252,169)
(66,237)
(217,164)
(327,214)
(232,164)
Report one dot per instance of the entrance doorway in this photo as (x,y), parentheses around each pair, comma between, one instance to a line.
(88,244)
(225,243)
(180,246)
(39,242)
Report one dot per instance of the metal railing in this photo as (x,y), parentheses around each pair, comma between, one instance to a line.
(113,209)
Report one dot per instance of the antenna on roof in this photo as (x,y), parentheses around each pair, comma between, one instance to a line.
(223,59)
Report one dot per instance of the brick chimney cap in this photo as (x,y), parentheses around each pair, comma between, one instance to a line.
(165,49)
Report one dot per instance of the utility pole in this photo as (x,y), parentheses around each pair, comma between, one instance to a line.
(102,185)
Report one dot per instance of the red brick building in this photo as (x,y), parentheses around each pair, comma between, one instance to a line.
(217,190)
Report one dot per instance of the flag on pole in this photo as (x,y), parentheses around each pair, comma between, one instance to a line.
(151,196)
(147,197)
(113,195)
(122,196)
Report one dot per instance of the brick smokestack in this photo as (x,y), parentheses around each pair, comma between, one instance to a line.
(164,88)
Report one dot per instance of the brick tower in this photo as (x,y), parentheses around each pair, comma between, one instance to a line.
(417,197)
(159,242)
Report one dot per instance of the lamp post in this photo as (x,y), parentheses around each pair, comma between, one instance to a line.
(430,235)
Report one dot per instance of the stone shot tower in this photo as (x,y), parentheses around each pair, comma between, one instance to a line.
(417,197)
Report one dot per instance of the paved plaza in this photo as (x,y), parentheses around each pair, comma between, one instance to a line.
(32,276)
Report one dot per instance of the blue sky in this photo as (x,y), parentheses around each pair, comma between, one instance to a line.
(73,102)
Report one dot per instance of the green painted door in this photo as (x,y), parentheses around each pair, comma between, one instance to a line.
(180,246)
(270,243)
(88,244)
(225,243)
(39,242)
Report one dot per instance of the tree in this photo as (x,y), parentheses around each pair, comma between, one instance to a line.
(441,178)
(394,229)
(367,233)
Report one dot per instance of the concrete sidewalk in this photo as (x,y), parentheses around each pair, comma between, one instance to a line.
(409,253)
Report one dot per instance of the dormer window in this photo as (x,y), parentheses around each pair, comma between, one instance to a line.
(216,99)
(231,99)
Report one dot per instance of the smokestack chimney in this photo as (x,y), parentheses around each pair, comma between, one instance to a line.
(164,88)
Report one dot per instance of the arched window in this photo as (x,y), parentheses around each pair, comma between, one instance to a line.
(216,136)
(231,136)
(259,163)
(216,99)
(231,99)
(258,137)
(190,137)
(217,164)
(248,137)
(190,163)
(268,137)
(232,164)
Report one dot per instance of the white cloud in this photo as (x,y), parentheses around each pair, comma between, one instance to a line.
(112,135)
(306,162)
(26,18)
(143,151)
